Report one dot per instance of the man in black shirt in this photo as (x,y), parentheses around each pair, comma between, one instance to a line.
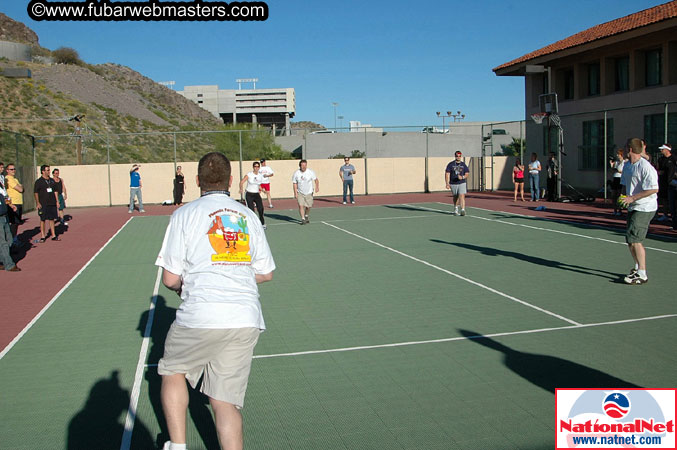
(46,201)
(670,175)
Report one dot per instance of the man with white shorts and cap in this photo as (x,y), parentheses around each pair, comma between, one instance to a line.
(214,254)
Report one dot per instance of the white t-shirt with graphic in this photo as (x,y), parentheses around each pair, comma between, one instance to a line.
(217,245)
(265,171)
(304,181)
(254,182)
(638,177)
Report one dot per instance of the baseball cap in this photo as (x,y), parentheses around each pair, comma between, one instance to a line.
(458,153)
(262,160)
(665,147)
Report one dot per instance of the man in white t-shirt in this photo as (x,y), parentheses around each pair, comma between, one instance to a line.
(267,172)
(213,255)
(254,180)
(303,180)
(640,181)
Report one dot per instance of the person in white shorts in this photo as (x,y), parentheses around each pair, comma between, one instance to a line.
(213,255)
(267,172)
(302,181)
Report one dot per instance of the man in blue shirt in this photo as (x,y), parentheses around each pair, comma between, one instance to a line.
(135,188)
(455,177)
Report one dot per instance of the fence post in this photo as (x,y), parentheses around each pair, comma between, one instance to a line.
(665,118)
(240,136)
(110,184)
(426,185)
(16,138)
(605,154)
(366,183)
(174,151)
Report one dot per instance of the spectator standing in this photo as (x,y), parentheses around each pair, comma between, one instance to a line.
(617,165)
(135,186)
(213,255)
(179,186)
(640,180)
(553,171)
(455,177)
(61,193)
(534,177)
(267,173)
(15,192)
(518,179)
(302,183)
(6,261)
(253,180)
(671,179)
(346,173)
(46,201)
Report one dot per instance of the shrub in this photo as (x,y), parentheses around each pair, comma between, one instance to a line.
(66,55)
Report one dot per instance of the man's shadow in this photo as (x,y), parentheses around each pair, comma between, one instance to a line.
(549,372)
(98,425)
(281,217)
(198,402)
(489,251)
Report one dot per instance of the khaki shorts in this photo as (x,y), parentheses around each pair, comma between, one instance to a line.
(638,226)
(223,356)
(305,200)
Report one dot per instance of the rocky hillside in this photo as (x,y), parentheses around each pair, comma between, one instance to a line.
(112,102)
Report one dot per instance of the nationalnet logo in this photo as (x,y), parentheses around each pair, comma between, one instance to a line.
(615,418)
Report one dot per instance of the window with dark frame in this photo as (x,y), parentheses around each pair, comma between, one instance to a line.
(654,131)
(591,153)
(593,79)
(569,84)
(622,74)
(653,64)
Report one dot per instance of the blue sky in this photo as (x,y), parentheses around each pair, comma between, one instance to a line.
(385,62)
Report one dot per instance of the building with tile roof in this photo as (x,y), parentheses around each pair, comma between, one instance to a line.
(624,70)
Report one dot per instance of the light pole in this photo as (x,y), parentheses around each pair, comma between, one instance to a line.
(340,118)
(443,116)
(334,104)
(458,116)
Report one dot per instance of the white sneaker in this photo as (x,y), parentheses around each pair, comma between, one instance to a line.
(143,210)
(129,212)
(635,278)
(265,227)
(270,206)
(455,211)
(344,203)
(352,203)
(463,212)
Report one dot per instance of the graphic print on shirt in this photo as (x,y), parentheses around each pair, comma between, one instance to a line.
(228,236)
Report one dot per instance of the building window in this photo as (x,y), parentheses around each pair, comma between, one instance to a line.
(622,74)
(653,67)
(199,102)
(199,95)
(654,131)
(593,79)
(591,153)
(569,84)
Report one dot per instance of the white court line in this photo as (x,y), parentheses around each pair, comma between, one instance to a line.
(140,367)
(539,228)
(502,294)
(461,338)
(58,294)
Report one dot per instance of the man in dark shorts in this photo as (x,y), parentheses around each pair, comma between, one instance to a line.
(46,202)
(640,181)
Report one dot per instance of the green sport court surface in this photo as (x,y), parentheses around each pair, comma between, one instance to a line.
(372,342)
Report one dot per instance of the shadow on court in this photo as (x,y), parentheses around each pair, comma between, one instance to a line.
(281,217)
(535,260)
(98,425)
(198,403)
(549,372)
(410,208)
(28,236)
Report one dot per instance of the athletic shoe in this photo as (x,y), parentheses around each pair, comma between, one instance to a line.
(14,269)
(344,203)
(65,223)
(270,206)
(129,212)
(143,210)
(635,278)
(463,212)
(352,203)
(633,271)
(265,227)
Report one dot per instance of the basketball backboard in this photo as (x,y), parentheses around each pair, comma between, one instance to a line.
(548,103)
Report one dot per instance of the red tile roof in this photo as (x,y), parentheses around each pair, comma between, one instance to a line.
(637,20)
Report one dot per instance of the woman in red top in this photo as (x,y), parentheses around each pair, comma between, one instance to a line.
(518,178)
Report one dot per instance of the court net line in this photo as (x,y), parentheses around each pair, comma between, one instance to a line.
(58,294)
(140,368)
(461,338)
(460,277)
(538,228)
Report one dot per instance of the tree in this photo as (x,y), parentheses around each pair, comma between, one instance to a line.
(256,143)
(66,55)
(355,154)
(513,149)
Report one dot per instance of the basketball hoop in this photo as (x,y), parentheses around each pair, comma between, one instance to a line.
(538,117)
(554,118)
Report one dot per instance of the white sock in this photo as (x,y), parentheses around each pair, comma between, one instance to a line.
(636,266)
(173,446)
(641,273)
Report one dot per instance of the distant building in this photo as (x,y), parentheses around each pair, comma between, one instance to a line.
(268,107)
(626,63)
(14,51)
